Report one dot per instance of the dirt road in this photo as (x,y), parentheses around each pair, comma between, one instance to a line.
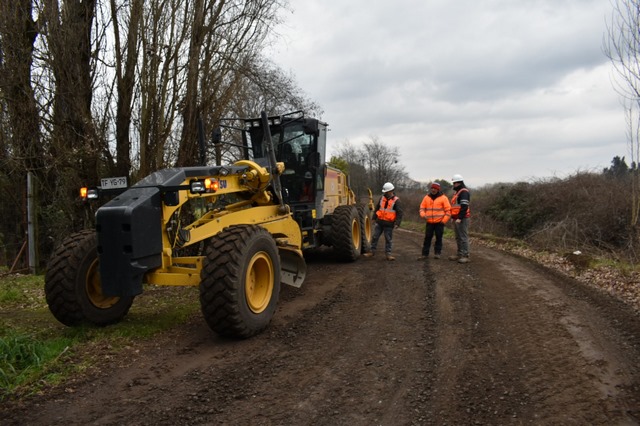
(496,341)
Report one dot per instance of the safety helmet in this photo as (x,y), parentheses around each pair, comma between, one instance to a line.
(457,178)
(308,175)
(387,187)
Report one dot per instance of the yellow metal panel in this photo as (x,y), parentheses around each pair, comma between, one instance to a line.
(183,271)
(161,277)
(265,216)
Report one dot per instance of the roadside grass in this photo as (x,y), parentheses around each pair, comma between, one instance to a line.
(36,351)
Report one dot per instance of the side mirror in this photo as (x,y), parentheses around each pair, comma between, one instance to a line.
(310,127)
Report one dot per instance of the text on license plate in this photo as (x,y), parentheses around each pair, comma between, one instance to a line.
(114,182)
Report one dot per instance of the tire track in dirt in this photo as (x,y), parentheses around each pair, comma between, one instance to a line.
(518,357)
(496,341)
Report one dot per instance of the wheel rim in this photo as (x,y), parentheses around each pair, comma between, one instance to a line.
(367,228)
(259,282)
(94,289)
(355,233)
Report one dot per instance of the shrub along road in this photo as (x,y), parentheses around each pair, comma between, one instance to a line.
(497,341)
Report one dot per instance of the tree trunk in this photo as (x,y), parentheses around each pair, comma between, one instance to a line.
(69,37)
(125,83)
(18,35)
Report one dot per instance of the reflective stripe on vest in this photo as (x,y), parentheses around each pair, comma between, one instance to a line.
(386,211)
(455,207)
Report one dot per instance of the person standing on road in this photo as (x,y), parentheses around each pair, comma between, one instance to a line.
(460,214)
(436,210)
(387,215)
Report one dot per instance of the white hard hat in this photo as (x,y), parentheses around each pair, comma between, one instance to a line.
(308,175)
(457,178)
(387,187)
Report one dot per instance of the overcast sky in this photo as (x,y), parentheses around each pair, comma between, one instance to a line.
(496,90)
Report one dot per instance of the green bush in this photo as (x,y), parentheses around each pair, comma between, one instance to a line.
(585,211)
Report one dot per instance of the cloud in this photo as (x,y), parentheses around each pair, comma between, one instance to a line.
(496,90)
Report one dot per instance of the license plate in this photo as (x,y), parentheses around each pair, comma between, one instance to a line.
(114,182)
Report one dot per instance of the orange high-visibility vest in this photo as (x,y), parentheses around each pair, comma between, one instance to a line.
(455,207)
(386,211)
(435,211)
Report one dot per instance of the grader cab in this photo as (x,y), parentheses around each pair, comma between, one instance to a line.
(236,231)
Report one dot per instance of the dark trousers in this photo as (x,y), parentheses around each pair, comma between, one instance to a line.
(388,238)
(436,229)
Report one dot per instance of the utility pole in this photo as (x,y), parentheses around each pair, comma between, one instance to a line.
(31,224)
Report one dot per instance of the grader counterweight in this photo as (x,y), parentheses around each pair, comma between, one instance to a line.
(236,231)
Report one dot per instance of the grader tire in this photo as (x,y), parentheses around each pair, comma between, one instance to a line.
(73,288)
(366,227)
(240,281)
(347,233)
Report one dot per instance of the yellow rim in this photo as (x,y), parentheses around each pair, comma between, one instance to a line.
(355,233)
(259,282)
(367,228)
(94,289)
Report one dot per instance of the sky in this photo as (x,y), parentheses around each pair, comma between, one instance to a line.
(494,90)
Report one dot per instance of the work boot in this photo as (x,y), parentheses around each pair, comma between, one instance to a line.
(454,258)
(368,254)
(436,256)
(463,260)
(423,257)
(389,257)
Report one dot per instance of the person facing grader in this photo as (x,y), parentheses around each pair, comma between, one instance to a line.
(387,215)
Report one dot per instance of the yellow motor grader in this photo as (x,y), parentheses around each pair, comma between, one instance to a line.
(237,231)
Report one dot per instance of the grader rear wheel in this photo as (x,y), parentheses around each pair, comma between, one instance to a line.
(366,226)
(73,288)
(347,232)
(240,281)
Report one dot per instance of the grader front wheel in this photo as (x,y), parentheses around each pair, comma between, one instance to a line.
(240,281)
(73,288)
(347,232)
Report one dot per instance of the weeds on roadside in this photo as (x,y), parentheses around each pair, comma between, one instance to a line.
(37,351)
(25,359)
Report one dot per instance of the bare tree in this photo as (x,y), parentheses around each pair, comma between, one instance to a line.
(265,86)
(164,34)
(355,158)
(226,37)
(125,58)
(117,86)
(68,29)
(18,32)
(622,47)
(382,163)
(373,164)
(20,147)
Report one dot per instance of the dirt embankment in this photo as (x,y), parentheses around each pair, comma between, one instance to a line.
(497,341)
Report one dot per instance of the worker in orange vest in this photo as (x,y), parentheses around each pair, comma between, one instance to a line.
(435,209)
(387,215)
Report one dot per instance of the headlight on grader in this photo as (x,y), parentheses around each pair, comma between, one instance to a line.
(203,186)
(88,194)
